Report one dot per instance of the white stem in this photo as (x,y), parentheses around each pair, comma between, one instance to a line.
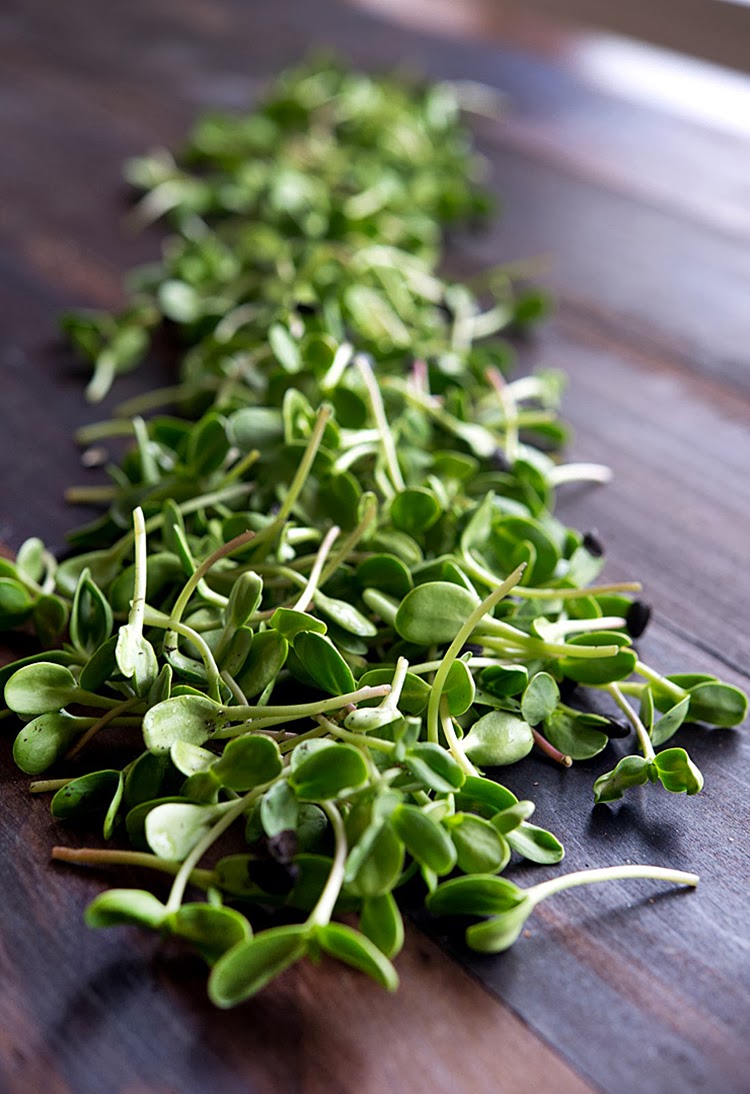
(267,715)
(451,653)
(475,570)
(323,910)
(193,858)
(386,437)
(641,732)
(397,683)
(138,604)
(579,472)
(302,604)
(341,359)
(453,743)
(608,873)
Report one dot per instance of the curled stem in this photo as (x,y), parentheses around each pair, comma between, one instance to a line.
(456,751)
(323,910)
(307,594)
(641,732)
(579,472)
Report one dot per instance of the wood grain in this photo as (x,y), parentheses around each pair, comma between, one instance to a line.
(622,987)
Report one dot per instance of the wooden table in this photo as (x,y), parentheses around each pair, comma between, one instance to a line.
(646,218)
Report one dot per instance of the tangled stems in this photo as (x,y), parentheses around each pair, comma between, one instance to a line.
(459,641)
(262,717)
(235,810)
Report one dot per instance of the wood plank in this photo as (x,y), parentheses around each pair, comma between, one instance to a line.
(677,516)
(626,979)
(121,1011)
(652,328)
(700,27)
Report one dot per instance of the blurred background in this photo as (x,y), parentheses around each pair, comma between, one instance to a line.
(716,30)
(690,58)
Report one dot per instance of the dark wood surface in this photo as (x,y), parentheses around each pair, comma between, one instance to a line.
(646,219)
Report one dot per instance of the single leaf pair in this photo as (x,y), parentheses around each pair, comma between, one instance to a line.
(211,929)
(243,971)
(673,768)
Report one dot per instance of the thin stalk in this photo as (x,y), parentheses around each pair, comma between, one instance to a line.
(579,472)
(323,910)
(101,431)
(454,745)
(359,740)
(307,594)
(86,856)
(256,717)
(239,469)
(370,511)
(48,786)
(632,687)
(149,469)
(245,713)
(100,724)
(473,663)
(397,683)
(608,873)
(350,456)
(673,690)
(266,537)
(574,626)
(205,591)
(234,687)
(151,400)
(138,604)
(644,740)
(197,576)
(386,437)
(156,619)
(91,699)
(90,495)
(510,413)
(287,742)
(182,877)
(341,359)
(505,633)
(549,749)
(461,638)
(105,370)
(475,570)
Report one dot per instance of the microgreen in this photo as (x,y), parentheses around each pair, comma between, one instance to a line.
(330,586)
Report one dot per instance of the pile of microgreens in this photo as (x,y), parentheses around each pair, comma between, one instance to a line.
(330,589)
